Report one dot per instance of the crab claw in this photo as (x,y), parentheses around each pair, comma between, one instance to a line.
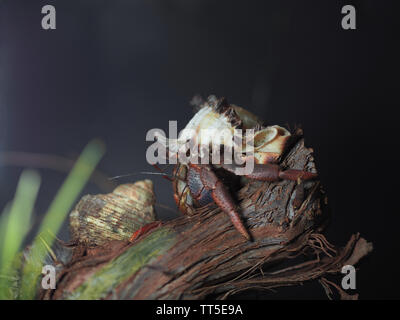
(225,202)
(221,196)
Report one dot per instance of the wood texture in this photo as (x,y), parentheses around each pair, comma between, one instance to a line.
(199,256)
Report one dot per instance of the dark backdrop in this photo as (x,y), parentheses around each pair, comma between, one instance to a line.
(115,69)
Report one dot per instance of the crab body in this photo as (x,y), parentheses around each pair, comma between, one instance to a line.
(196,185)
(202,186)
(189,189)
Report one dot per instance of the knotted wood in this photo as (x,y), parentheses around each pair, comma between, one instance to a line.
(199,256)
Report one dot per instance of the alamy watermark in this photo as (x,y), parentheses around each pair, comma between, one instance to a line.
(349,18)
(348,21)
(49,20)
(49,278)
(202,146)
(349,280)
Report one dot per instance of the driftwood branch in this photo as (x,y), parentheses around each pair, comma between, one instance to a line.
(200,256)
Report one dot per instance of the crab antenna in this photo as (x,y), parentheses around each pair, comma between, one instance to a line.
(141,172)
(166,176)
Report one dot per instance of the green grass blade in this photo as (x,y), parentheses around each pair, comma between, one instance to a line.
(56,214)
(72,187)
(3,227)
(15,224)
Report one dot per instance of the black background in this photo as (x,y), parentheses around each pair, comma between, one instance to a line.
(115,69)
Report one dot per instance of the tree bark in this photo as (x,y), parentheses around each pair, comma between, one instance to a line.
(199,256)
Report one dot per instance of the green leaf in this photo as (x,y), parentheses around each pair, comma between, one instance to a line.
(56,214)
(15,224)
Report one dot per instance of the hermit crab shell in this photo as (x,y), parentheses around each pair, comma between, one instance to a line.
(216,117)
(214,121)
(98,219)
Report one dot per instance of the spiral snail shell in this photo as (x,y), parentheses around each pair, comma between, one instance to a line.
(215,116)
(97,219)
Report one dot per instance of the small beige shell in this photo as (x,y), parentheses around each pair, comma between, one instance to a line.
(269,144)
(97,219)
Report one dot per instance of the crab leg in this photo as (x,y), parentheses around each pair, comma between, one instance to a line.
(272,172)
(144,229)
(220,195)
(224,200)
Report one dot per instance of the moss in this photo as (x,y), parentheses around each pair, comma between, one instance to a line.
(101,283)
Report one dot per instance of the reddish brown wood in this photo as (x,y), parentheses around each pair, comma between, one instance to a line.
(211,259)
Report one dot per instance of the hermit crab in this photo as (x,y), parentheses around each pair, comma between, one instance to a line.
(197,184)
